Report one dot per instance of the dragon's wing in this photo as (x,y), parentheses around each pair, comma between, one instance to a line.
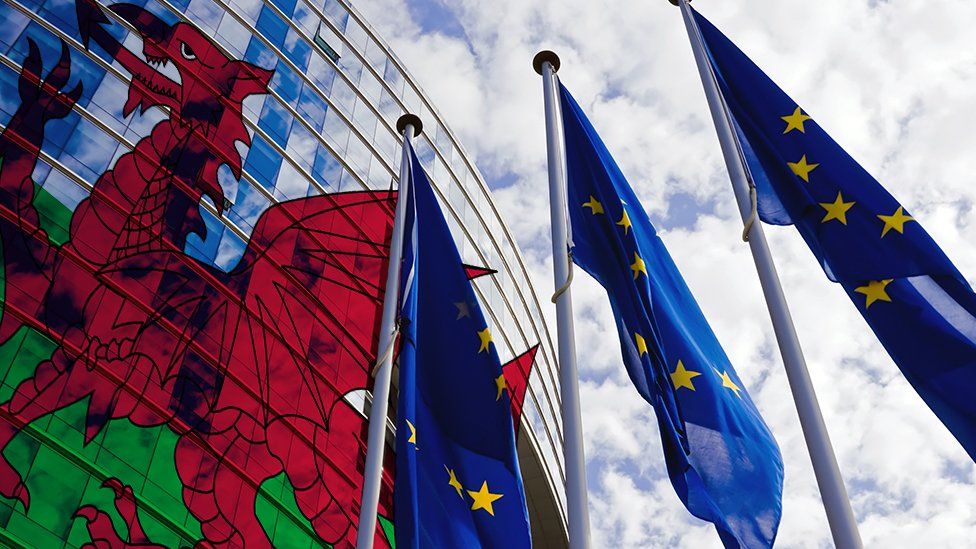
(311,284)
(311,288)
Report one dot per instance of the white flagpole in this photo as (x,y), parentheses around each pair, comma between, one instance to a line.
(843,527)
(546,63)
(409,126)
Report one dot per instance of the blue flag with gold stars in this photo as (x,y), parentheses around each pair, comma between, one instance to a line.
(457,477)
(722,459)
(920,307)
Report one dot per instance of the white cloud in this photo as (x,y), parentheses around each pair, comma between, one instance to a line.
(891,80)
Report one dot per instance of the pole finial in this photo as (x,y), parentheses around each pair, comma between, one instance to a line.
(410,120)
(677,2)
(541,58)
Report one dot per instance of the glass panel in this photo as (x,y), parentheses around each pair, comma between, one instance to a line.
(326,170)
(248,9)
(370,87)
(296,49)
(262,162)
(14,24)
(336,13)
(205,14)
(393,77)
(355,34)
(301,146)
(322,73)
(365,118)
(290,183)
(276,121)
(388,107)
(352,66)
(272,27)
(233,35)
(312,107)
(336,131)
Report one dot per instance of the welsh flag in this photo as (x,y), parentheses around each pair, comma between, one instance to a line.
(169,379)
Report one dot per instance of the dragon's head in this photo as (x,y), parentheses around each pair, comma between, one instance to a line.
(204,93)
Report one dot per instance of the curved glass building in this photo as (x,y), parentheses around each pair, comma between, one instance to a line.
(245,106)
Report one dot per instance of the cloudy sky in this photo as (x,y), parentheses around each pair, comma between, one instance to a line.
(892,80)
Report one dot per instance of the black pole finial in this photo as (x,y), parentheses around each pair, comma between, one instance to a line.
(410,120)
(543,56)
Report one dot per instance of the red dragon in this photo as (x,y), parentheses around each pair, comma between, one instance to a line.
(249,367)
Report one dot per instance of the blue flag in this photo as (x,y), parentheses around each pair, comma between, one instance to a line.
(721,457)
(457,477)
(919,306)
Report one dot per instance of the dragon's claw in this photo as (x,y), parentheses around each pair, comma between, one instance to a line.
(42,98)
(75,93)
(21,494)
(116,486)
(101,529)
(59,75)
(30,73)
(87,512)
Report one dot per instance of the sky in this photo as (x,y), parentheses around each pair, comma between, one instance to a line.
(891,80)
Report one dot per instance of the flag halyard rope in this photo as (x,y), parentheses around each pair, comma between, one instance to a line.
(569,279)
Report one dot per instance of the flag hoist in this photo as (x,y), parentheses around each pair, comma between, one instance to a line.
(546,63)
(833,493)
(409,126)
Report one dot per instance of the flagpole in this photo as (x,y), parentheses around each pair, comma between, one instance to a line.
(409,126)
(546,63)
(840,517)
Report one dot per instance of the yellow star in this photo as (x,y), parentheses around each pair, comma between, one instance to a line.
(875,291)
(641,345)
(453,482)
(638,266)
(795,121)
(485,336)
(483,499)
(728,383)
(501,384)
(594,205)
(895,221)
(625,222)
(836,209)
(413,434)
(681,377)
(802,169)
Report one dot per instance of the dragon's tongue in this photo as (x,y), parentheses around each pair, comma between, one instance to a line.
(138,97)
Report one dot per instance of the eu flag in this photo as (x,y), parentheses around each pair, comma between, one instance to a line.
(919,306)
(721,457)
(457,477)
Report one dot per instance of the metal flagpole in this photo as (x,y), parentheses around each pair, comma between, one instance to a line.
(843,528)
(409,126)
(546,63)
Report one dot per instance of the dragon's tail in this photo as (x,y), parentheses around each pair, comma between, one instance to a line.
(27,255)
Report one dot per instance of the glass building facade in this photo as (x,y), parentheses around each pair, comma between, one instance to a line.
(326,125)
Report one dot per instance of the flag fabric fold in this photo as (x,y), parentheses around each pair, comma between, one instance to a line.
(722,459)
(458,483)
(919,306)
